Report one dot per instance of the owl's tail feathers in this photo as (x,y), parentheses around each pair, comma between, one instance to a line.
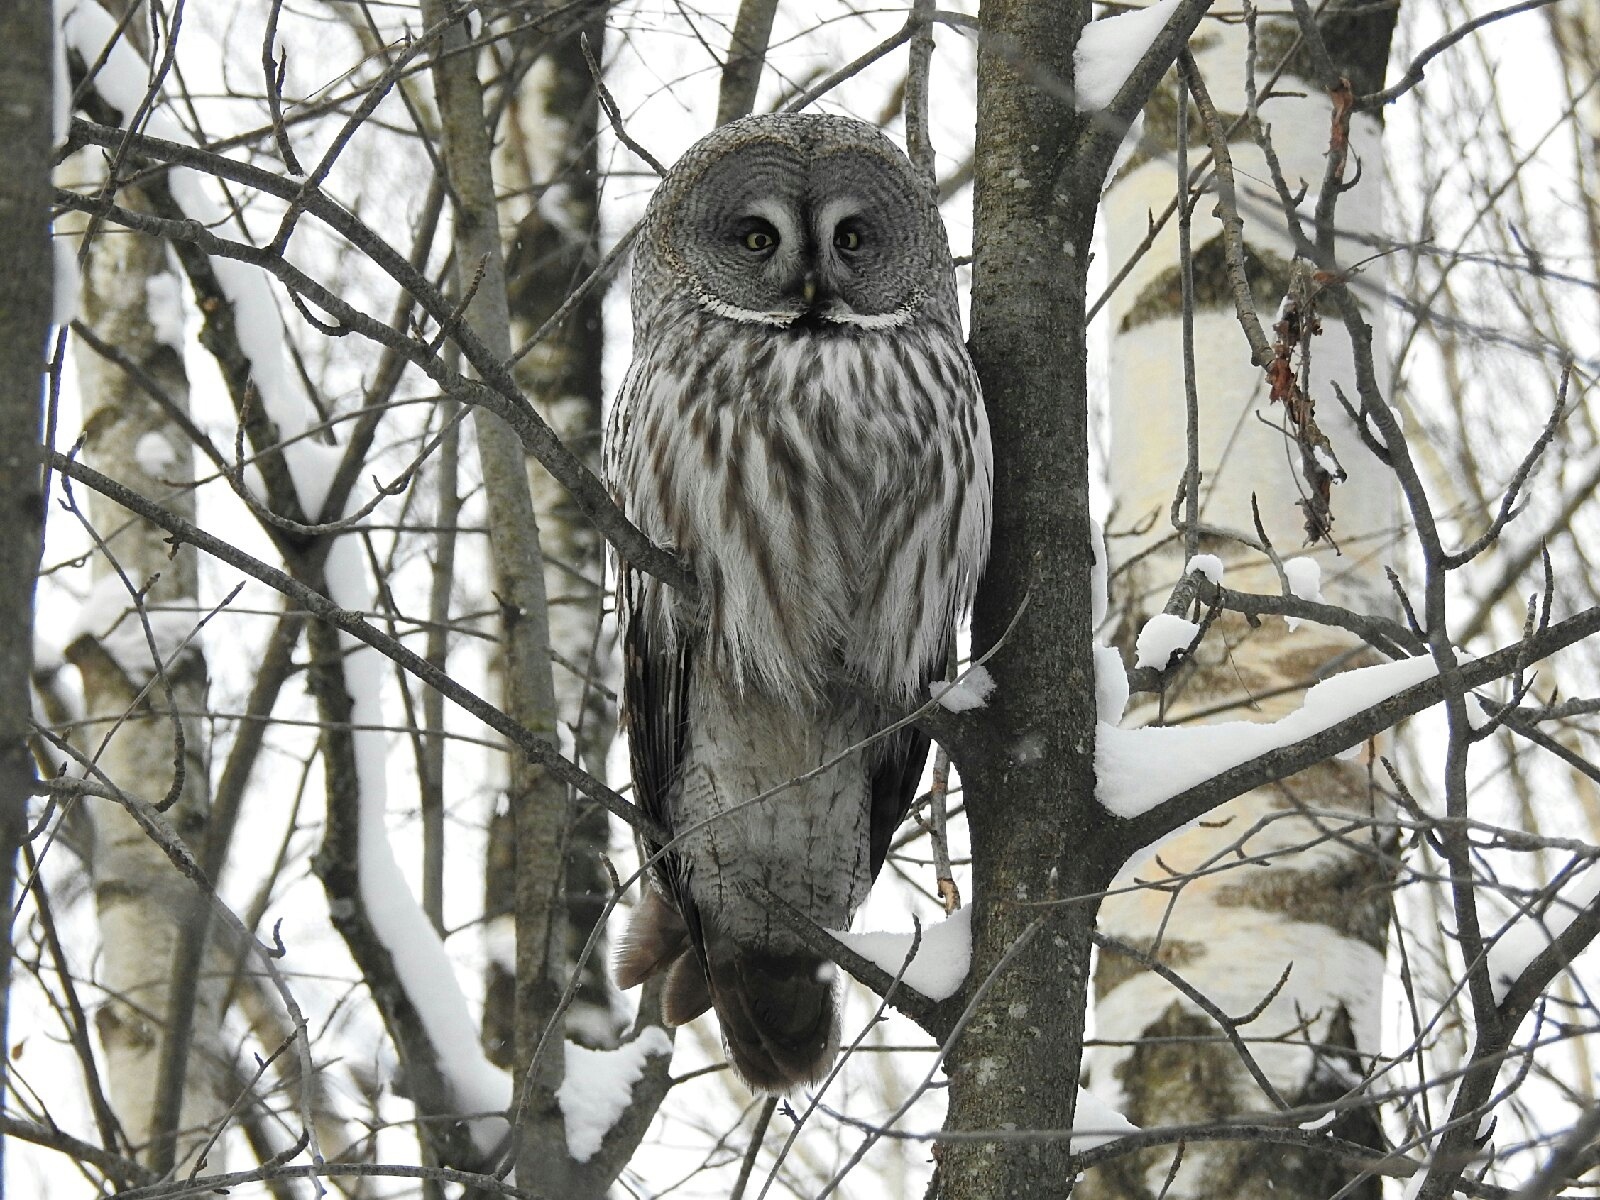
(777,1010)
(778,1017)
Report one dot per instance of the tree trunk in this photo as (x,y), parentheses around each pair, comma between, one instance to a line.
(1321,913)
(547,170)
(25,303)
(541,809)
(160,1027)
(1034,819)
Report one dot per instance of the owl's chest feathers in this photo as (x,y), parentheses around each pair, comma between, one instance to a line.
(794,464)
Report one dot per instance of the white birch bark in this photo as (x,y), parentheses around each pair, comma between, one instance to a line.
(130,300)
(1320,912)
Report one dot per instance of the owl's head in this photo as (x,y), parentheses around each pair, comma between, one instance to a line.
(801,220)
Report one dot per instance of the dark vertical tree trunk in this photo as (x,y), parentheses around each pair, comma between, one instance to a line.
(547,166)
(1034,818)
(25,304)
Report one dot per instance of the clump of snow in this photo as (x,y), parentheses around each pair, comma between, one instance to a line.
(1094,1122)
(1525,938)
(1208,565)
(154,454)
(942,955)
(971,691)
(110,618)
(164,307)
(1328,463)
(1109,50)
(1305,581)
(599,1086)
(1110,684)
(1163,636)
(1136,769)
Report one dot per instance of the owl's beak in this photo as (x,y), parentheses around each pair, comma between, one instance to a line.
(808,288)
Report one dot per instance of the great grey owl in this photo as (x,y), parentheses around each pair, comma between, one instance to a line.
(802,423)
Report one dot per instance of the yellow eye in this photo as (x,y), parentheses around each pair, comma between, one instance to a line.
(847,239)
(759,239)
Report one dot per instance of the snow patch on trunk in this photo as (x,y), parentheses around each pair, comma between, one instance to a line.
(971,691)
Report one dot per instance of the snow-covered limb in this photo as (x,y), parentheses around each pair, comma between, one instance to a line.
(1522,939)
(1279,757)
(941,960)
(1109,50)
(1137,769)
(598,1087)
(421,965)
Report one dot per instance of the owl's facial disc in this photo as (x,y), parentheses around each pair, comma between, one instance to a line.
(777,233)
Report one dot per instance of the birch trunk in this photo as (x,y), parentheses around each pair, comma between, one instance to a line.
(160,1025)
(1320,913)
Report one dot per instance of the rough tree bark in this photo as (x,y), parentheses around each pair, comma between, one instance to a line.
(1321,913)
(547,171)
(25,311)
(1038,834)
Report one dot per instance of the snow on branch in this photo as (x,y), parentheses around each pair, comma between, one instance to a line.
(597,1088)
(942,957)
(1110,49)
(971,691)
(1137,769)
(1523,938)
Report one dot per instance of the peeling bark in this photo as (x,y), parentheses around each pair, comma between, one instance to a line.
(159,1028)
(1322,911)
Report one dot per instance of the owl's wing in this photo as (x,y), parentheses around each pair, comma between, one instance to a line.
(655,690)
(899,770)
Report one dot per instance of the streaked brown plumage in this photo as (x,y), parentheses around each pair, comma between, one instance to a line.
(802,422)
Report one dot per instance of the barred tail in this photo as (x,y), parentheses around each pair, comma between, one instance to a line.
(779,1022)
